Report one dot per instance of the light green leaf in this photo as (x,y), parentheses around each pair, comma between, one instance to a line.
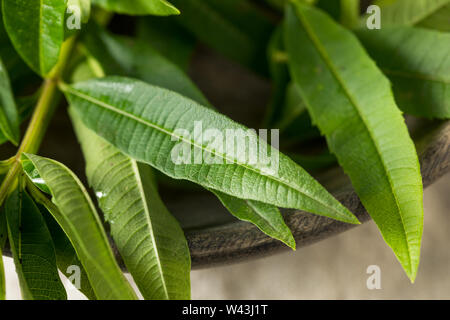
(138,7)
(140,59)
(266,217)
(33,250)
(75,213)
(65,253)
(36,29)
(149,238)
(9,116)
(234,28)
(420,76)
(351,102)
(440,20)
(150,124)
(407,12)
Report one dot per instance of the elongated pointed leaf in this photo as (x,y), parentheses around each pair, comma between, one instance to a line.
(149,239)
(146,64)
(77,216)
(33,250)
(407,12)
(138,7)
(420,76)
(142,121)
(36,29)
(66,257)
(266,217)
(168,38)
(9,115)
(362,124)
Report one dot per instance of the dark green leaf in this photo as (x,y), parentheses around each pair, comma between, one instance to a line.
(351,102)
(33,250)
(3,236)
(235,28)
(73,210)
(440,20)
(138,7)
(168,38)
(420,76)
(36,29)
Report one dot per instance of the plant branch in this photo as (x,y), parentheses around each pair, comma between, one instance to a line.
(40,120)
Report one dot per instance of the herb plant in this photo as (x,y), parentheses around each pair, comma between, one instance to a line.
(135,110)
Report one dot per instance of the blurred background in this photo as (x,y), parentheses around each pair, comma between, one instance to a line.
(332,269)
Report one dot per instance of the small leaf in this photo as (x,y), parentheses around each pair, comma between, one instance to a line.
(266,217)
(420,76)
(33,250)
(142,120)
(36,29)
(351,102)
(407,12)
(75,213)
(9,117)
(138,7)
(65,253)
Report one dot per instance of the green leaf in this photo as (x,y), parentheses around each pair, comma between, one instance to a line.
(75,213)
(266,217)
(25,109)
(33,250)
(420,76)
(142,120)
(234,28)
(168,38)
(65,253)
(440,20)
(122,55)
(407,12)
(3,236)
(140,59)
(138,7)
(36,29)
(9,117)
(149,238)
(351,102)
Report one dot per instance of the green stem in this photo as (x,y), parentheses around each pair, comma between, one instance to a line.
(350,13)
(42,115)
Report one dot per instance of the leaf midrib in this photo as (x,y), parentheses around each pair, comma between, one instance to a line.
(149,223)
(167,132)
(326,59)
